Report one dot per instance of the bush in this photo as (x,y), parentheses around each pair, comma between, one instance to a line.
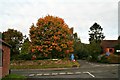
(93,58)
(89,58)
(80,50)
(94,50)
(15,57)
(103,59)
(25,57)
(114,58)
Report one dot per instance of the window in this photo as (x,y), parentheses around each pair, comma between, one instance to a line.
(111,50)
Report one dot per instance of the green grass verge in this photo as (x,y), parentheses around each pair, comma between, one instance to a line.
(14,77)
(44,64)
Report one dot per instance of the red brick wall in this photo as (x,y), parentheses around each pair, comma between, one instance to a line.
(6,60)
(0,72)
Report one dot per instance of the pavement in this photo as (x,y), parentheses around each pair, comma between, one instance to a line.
(86,70)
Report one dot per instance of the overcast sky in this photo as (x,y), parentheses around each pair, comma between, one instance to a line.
(80,14)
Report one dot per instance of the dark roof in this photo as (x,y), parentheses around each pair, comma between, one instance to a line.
(3,42)
(109,43)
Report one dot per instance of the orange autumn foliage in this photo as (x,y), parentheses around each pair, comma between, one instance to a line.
(51,37)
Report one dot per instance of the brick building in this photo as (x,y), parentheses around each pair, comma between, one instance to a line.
(108,45)
(4,58)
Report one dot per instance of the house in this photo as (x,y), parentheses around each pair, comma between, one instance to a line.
(108,45)
(4,58)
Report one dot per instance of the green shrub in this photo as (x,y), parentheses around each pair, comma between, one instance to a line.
(25,56)
(15,57)
(114,58)
(89,58)
(104,59)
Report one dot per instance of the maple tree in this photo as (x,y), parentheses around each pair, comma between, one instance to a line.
(51,37)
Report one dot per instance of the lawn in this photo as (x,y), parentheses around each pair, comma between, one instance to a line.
(43,64)
(14,77)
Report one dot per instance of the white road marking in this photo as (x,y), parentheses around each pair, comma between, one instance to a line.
(97,65)
(46,74)
(89,74)
(39,74)
(32,75)
(62,73)
(70,73)
(77,72)
(54,73)
(98,71)
(103,71)
(104,65)
(112,65)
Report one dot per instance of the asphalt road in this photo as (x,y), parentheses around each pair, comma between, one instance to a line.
(86,70)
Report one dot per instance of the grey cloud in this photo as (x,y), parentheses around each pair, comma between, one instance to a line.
(80,14)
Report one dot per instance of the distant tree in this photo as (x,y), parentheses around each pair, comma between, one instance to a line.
(51,38)
(76,39)
(0,35)
(14,38)
(25,49)
(77,46)
(94,50)
(95,33)
(80,50)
